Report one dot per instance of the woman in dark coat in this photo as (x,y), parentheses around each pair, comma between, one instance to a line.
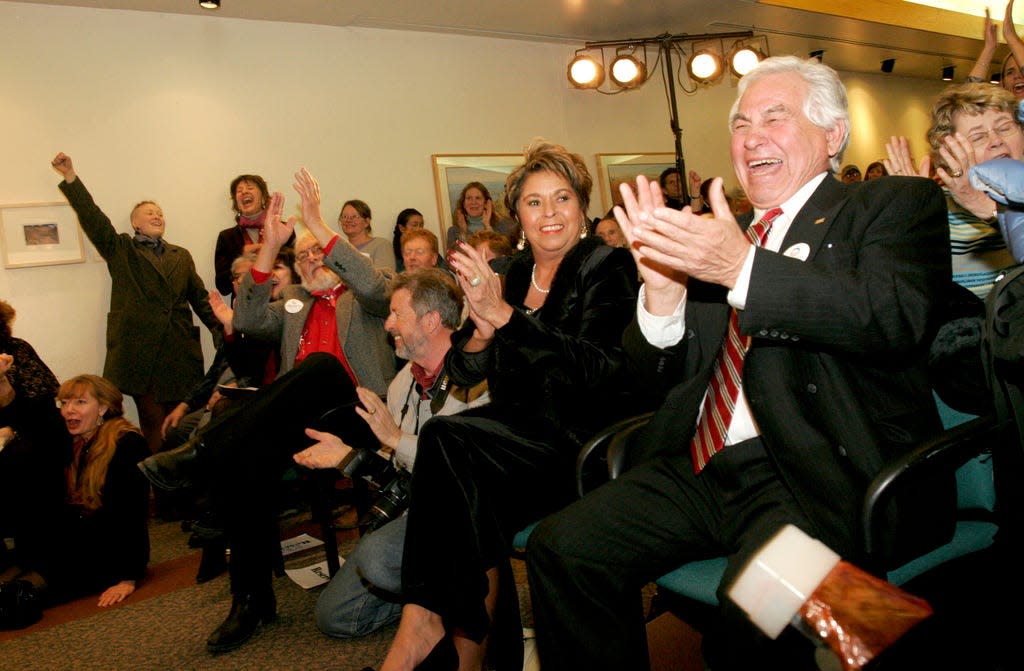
(548,343)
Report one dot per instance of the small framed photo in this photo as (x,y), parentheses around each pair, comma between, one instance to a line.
(40,234)
(614,169)
(453,171)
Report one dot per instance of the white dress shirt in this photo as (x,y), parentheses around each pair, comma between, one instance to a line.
(665,331)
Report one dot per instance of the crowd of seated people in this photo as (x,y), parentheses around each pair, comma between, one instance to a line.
(560,332)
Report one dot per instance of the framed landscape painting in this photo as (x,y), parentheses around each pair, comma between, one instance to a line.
(40,234)
(614,169)
(453,171)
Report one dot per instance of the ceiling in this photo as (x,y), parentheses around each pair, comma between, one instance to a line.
(856,35)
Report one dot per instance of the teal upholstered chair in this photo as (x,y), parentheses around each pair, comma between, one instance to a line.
(593,465)
(965,447)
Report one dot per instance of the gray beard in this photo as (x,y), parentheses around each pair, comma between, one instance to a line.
(321,281)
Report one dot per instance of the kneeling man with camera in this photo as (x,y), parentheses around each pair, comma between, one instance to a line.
(426,308)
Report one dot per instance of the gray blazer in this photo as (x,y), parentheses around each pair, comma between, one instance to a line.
(360,315)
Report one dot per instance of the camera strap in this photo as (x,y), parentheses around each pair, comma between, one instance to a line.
(437,394)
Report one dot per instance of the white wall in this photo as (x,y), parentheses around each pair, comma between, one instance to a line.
(173,107)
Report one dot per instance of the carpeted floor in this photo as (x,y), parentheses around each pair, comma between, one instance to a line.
(164,624)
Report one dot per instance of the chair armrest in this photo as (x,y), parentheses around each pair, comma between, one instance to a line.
(600,445)
(945,452)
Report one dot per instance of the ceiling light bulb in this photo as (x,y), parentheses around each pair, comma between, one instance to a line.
(209,4)
(585,72)
(744,60)
(627,72)
(705,66)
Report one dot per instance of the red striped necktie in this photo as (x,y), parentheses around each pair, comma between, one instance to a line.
(724,388)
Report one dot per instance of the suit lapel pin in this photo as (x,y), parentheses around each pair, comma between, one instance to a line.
(820,220)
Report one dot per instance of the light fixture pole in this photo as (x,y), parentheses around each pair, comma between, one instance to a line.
(677,132)
(665,43)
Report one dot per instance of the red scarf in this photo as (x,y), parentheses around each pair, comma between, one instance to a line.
(424,378)
(252,222)
(320,333)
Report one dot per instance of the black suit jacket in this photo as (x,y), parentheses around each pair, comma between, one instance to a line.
(835,375)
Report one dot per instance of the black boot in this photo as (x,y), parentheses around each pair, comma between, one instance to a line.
(213,562)
(248,612)
(174,469)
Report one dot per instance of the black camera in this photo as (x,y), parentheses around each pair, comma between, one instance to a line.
(389,485)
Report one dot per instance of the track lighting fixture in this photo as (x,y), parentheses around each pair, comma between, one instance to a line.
(585,72)
(947,73)
(625,65)
(744,59)
(705,66)
(888,64)
(209,4)
(627,71)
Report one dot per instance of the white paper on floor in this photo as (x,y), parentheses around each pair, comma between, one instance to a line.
(290,546)
(308,577)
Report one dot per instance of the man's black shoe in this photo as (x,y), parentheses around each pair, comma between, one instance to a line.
(173,469)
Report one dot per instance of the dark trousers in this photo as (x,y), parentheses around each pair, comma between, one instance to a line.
(247,449)
(480,476)
(588,563)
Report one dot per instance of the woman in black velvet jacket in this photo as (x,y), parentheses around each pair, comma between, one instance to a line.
(548,343)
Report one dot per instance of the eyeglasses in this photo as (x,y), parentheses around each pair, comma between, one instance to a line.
(305,254)
(350,219)
(409,251)
(979,138)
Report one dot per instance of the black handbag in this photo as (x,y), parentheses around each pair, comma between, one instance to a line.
(20,605)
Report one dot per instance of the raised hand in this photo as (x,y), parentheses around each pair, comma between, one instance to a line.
(482,288)
(958,154)
(276,231)
(1009,30)
(62,164)
(661,282)
(900,162)
(309,191)
(671,245)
